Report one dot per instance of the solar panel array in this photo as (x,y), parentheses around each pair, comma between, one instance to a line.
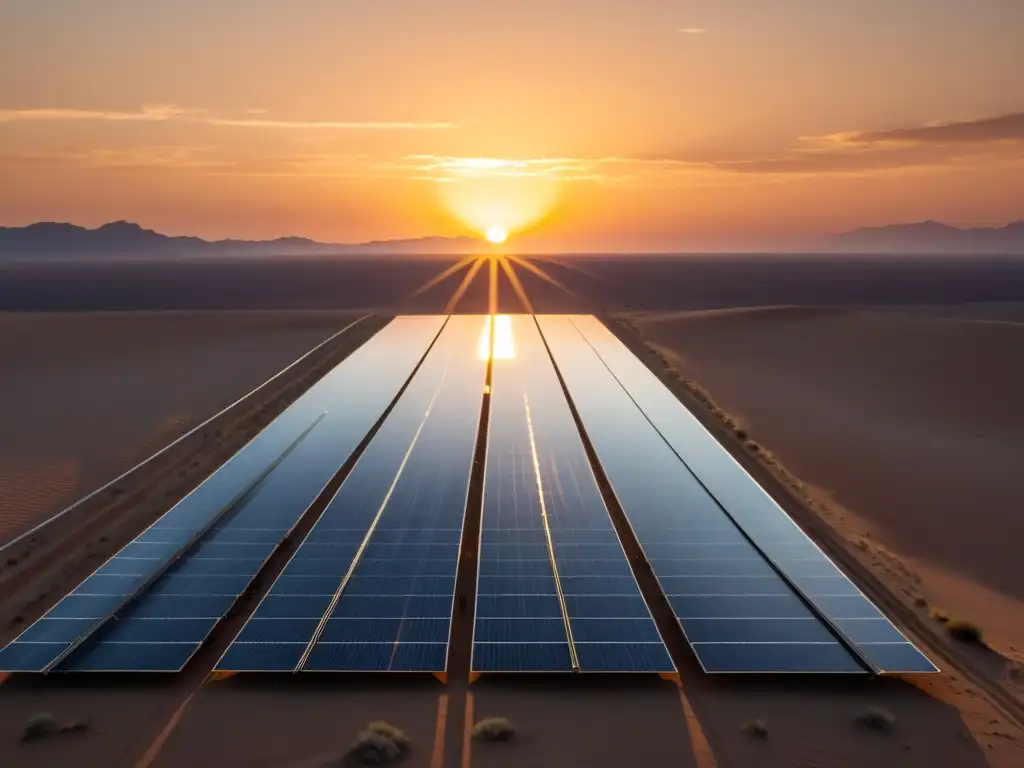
(372,586)
(780,540)
(150,606)
(715,581)
(555,591)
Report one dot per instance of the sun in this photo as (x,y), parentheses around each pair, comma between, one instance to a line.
(496,235)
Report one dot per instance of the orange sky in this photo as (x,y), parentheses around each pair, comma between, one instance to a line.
(600,124)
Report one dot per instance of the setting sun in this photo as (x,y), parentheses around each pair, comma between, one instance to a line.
(496,235)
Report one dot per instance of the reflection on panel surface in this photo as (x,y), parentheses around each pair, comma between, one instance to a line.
(760,517)
(554,591)
(372,585)
(281,471)
(371,588)
(696,552)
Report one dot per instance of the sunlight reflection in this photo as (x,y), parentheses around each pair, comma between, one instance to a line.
(504,339)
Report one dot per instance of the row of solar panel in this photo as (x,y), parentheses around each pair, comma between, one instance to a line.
(777,603)
(372,586)
(152,605)
(554,591)
(388,543)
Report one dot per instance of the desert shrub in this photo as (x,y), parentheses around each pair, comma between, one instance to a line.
(741,434)
(39,727)
(494,729)
(877,719)
(757,729)
(940,616)
(920,602)
(965,631)
(379,743)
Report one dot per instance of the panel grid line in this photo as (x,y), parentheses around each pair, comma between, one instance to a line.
(336,596)
(176,556)
(547,533)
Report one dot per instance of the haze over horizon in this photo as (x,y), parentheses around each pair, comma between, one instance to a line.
(593,125)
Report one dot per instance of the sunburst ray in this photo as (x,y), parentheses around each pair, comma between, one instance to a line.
(492,293)
(567,264)
(462,264)
(463,286)
(517,286)
(539,273)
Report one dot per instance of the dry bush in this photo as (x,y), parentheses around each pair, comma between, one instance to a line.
(756,729)
(39,726)
(494,729)
(877,719)
(379,743)
(76,726)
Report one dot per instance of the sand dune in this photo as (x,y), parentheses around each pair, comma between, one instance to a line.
(85,396)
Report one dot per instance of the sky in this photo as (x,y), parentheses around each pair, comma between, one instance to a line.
(575,124)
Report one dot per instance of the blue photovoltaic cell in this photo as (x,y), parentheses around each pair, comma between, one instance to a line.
(396,525)
(159,629)
(549,555)
(702,561)
(760,517)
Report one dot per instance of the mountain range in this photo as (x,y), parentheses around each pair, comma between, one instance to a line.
(122,238)
(931,237)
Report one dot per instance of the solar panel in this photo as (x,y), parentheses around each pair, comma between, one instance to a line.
(372,585)
(166,606)
(782,541)
(700,558)
(555,591)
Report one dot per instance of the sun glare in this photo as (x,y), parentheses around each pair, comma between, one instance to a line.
(498,205)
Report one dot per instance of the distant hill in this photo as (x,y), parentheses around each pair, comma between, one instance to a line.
(931,237)
(122,238)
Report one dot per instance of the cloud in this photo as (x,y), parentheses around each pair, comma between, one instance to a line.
(327,124)
(168,112)
(933,146)
(1000,128)
(926,148)
(693,31)
(157,113)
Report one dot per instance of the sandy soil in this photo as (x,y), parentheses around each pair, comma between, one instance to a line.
(892,434)
(85,396)
(41,568)
(914,423)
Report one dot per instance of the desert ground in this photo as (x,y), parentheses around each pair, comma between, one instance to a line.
(911,421)
(84,396)
(865,422)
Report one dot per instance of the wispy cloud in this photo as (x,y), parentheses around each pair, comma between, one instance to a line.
(256,119)
(693,31)
(154,113)
(1000,128)
(851,153)
(911,148)
(326,124)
